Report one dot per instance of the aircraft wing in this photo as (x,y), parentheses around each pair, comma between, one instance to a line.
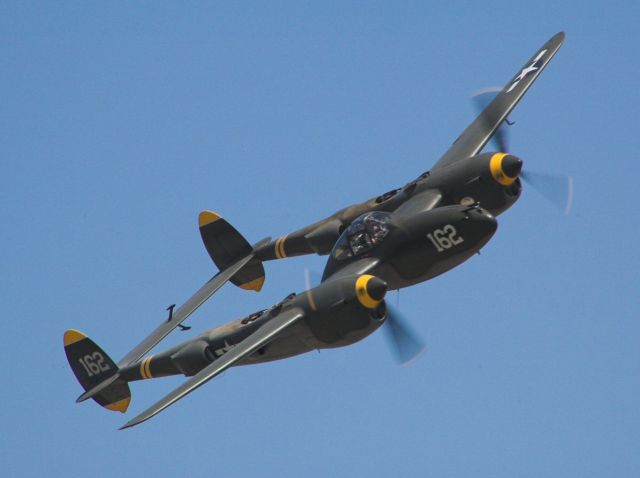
(184,311)
(421,202)
(356,268)
(259,338)
(480,131)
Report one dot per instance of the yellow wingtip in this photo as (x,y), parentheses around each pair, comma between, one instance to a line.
(207,217)
(72,336)
(255,284)
(120,406)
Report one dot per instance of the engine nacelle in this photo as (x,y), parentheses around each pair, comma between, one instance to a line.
(193,357)
(490,179)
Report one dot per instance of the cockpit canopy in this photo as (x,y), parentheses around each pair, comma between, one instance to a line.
(364,234)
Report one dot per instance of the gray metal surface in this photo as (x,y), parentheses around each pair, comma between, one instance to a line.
(249,345)
(184,311)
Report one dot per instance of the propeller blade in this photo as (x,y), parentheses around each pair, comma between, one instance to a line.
(404,342)
(311,278)
(557,189)
(481,99)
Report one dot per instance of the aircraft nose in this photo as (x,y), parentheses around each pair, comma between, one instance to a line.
(505,168)
(370,290)
(511,165)
(483,220)
(377,288)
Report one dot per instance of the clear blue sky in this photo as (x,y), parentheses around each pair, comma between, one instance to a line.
(120,122)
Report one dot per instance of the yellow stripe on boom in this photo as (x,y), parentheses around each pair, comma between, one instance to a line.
(280,254)
(145,368)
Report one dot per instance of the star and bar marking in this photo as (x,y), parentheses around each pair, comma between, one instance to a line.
(527,70)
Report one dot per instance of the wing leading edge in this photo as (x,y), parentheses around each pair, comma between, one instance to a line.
(184,311)
(480,131)
(259,338)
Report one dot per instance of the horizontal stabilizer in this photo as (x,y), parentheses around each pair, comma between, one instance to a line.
(225,245)
(98,388)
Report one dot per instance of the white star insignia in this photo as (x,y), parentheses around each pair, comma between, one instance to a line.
(527,70)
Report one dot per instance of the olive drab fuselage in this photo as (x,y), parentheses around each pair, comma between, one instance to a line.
(480,179)
(412,249)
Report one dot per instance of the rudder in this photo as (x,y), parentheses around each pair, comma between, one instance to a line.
(225,245)
(92,366)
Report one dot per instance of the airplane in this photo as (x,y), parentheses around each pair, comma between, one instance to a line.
(395,240)
(463,176)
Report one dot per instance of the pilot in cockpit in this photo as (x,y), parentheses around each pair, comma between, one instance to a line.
(365,233)
(360,242)
(376,229)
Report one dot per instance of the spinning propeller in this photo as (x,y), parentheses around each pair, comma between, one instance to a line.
(404,343)
(557,189)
